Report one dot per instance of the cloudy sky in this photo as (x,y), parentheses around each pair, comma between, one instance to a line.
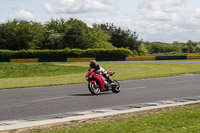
(152,20)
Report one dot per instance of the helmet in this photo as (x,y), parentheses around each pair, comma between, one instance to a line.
(93,64)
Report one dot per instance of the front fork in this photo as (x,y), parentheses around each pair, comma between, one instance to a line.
(94,82)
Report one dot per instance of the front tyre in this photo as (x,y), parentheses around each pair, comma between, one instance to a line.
(94,89)
(116,88)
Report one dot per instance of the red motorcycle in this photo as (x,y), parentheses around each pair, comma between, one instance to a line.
(98,83)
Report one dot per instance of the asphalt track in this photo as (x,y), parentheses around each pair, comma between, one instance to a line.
(40,101)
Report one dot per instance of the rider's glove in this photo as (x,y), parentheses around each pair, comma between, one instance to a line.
(107,75)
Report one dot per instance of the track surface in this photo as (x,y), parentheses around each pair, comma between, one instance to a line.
(38,101)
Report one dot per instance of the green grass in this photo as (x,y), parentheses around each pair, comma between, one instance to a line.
(17,75)
(185,119)
(143,71)
(15,70)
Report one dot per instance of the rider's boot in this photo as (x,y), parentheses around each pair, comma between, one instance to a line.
(111,81)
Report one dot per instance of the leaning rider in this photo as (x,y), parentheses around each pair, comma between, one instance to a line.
(97,67)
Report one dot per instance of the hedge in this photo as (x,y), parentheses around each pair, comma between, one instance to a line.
(107,53)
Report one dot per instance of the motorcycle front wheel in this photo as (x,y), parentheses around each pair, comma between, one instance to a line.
(94,89)
(116,88)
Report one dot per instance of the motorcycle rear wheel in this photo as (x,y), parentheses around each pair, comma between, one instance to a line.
(116,89)
(94,89)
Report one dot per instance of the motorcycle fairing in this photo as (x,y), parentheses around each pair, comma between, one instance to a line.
(101,80)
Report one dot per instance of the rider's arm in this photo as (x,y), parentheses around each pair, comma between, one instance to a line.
(103,71)
(97,68)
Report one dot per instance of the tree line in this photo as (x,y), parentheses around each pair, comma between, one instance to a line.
(61,34)
(170,48)
(75,34)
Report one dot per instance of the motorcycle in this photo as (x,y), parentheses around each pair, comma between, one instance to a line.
(98,83)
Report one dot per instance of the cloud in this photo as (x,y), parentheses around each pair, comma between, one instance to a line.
(79,6)
(163,5)
(48,7)
(166,10)
(154,20)
(31,9)
(15,7)
(109,2)
(22,15)
(169,20)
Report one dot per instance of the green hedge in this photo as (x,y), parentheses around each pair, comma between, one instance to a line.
(108,53)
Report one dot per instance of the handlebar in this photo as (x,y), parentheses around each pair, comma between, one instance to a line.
(112,73)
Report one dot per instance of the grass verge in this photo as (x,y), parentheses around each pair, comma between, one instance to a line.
(17,75)
(16,70)
(181,119)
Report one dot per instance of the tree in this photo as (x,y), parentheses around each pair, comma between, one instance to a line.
(190,47)
(159,47)
(36,33)
(99,38)
(3,36)
(21,35)
(75,35)
(52,40)
(142,50)
(121,38)
(79,35)
(59,26)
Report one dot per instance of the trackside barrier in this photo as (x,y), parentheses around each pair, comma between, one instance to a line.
(87,59)
(171,57)
(193,57)
(80,59)
(4,60)
(141,58)
(52,60)
(110,59)
(24,60)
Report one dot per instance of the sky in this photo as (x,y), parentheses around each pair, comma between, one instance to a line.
(152,20)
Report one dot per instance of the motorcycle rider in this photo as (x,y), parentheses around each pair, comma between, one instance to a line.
(97,67)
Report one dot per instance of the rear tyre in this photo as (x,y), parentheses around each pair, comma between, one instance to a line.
(94,89)
(116,89)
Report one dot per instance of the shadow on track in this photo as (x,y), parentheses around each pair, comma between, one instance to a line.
(82,94)
(89,94)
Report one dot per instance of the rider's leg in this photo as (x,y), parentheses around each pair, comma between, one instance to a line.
(109,80)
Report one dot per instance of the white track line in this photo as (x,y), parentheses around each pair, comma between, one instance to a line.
(26,124)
